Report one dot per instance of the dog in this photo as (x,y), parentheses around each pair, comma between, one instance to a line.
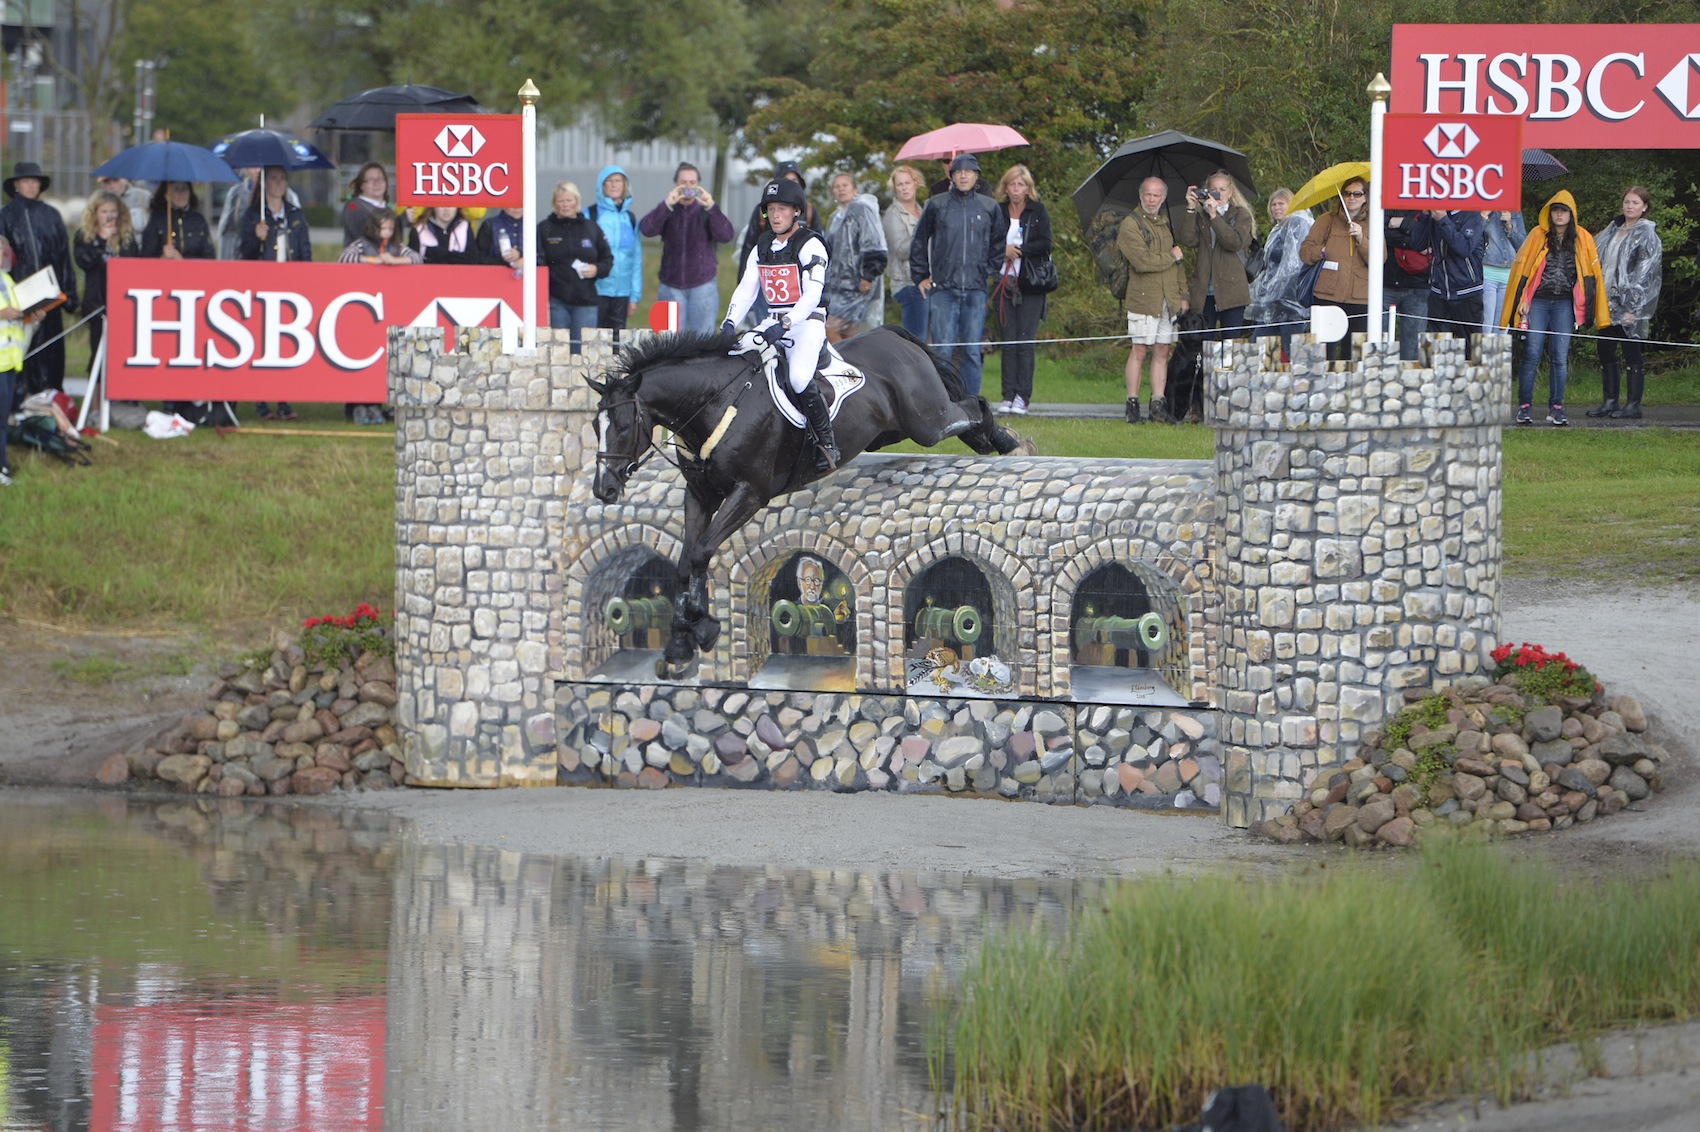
(1185,388)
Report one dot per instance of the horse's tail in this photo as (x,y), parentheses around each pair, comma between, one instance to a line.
(946,369)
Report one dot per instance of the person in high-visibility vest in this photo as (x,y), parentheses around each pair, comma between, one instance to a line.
(11,351)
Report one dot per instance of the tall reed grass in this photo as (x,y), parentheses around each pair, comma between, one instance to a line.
(1351,994)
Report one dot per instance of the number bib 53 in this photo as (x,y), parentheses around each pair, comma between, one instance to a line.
(781,284)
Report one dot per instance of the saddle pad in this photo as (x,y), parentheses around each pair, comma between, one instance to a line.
(842,378)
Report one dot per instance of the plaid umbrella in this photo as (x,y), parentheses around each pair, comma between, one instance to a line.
(1539,165)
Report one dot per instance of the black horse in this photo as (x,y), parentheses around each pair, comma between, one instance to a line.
(737,452)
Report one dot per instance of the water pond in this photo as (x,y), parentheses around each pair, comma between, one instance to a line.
(187,965)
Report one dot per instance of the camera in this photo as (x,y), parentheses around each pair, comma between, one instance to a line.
(690,191)
(1199,194)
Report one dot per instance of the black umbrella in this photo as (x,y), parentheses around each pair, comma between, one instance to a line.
(1181,161)
(376,109)
(1539,165)
(255,149)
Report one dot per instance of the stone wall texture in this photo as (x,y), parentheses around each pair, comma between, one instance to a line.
(1361,548)
(1343,547)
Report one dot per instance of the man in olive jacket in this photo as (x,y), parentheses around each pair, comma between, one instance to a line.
(1156,294)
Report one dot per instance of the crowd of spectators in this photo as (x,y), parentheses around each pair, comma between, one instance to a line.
(944,254)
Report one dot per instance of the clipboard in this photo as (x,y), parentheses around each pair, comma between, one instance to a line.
(39,293)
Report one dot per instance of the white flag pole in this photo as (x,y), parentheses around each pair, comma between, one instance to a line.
(1379,89)
(528,174)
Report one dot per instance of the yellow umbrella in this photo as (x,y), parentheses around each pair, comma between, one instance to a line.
(1328,183)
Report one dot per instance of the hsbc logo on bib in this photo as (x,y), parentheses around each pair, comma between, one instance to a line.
(443,160)
(459,141)
(1451,140)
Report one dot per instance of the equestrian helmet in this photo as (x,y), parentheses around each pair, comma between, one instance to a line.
(784,191)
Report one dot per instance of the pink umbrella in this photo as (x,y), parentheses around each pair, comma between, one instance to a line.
(958,137)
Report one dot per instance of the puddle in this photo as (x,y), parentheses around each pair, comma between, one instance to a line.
(216,965)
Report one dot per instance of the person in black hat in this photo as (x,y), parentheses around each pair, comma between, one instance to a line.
(37,234)
(958,248)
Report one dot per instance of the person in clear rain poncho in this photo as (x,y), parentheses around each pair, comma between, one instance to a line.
(1273,302)
(855,278)
(1630,260)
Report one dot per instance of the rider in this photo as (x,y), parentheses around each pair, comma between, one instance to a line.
(788,268)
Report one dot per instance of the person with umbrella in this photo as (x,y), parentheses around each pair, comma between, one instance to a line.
(1156,295)
(37,234)
(274,230)
(176,229)
(1340,242)
(958,248)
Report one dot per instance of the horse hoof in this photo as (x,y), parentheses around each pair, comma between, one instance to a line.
(666,670)
(706,631)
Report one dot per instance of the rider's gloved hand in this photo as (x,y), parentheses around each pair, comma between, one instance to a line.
(773,332)
(727,327)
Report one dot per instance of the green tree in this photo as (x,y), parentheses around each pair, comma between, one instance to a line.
(214,76)
(1067,75)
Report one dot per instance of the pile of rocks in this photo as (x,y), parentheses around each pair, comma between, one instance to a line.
(1501,763)
(288,728)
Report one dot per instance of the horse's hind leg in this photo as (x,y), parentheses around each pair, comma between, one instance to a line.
(983,433)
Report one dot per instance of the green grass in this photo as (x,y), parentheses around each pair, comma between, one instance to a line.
(203,530)
(1352,994)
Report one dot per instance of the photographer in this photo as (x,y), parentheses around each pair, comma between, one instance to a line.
(1219,223)
(690,224)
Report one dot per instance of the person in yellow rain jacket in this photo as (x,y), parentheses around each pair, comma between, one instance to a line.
(1555,286)
(12,338)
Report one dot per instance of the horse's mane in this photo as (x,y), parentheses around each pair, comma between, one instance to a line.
(670,346)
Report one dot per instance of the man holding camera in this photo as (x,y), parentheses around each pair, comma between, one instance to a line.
(690,224)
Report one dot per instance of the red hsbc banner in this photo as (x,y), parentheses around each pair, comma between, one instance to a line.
(459,159)
(215,330)
(1577,86)
(1435,161)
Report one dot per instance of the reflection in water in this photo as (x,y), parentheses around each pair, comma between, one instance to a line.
(549,993)
(202,965)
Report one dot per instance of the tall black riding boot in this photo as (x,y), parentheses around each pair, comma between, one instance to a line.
(1631,410)
(1608,389)
(820,426)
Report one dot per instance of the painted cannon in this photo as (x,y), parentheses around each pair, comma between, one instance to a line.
(1097,640)
(959,627)
(626,616)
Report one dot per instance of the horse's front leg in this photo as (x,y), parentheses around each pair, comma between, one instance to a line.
(690,595)
(692,600)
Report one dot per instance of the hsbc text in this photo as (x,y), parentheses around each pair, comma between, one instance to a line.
(459,178)
(286,335)
(1450,181)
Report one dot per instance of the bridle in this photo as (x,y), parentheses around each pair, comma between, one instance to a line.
(633,460)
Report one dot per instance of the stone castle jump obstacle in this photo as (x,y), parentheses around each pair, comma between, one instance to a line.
(1125,632)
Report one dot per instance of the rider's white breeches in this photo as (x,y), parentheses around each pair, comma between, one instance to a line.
(803,355)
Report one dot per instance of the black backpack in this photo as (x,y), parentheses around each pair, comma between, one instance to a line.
(1113,271)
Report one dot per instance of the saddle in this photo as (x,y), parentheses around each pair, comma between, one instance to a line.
(842,378)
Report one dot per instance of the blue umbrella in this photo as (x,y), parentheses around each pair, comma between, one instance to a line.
(255,149)
(167,161)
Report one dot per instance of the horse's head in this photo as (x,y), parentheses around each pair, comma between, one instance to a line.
(624,433)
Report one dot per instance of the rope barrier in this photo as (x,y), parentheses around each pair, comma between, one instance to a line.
(1258,330)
